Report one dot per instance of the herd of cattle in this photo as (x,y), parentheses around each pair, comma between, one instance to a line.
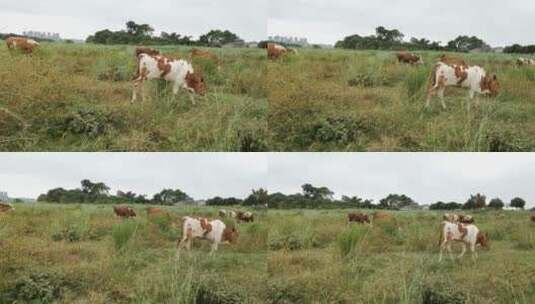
(453,227)
(151,64)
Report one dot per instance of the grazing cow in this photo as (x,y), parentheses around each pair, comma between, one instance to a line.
(5,208)
(410,58)
(525,61)
(232,214)
(146,50)
(214,231)
(223,213)
(467,234)
(382,216)
(458,218)
(25,44)
(156,212)
(245,216)
(358,217)
(178,71)
(275,51)
(207,55)
(124,211)
(452,60)
(473,77)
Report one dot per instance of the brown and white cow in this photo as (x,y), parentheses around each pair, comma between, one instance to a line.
(358,217)
(245,216)
(275,51)
(458,218)
(467,234)
(26,45)
(214,231)
(146,50)
(525,61)
(5,208)
(178,71)
(124,211)
(475,78)
(410,58)
(206,55)
(452,60)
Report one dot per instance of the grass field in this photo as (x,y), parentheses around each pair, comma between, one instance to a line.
(84,254)
(70,97)
(315,257)
(312,107)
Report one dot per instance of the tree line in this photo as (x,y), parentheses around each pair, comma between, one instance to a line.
(392,39)
(143,34)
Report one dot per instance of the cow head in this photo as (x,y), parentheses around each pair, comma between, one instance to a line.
(230,234)
(195,83)
(490,85)
(482,239)
(131,212)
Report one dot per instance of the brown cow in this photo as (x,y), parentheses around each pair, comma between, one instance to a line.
(25,44)
(275,51)
(146,50)
(5,208)
(245,216)
(207,55)
(410,58)
(124,211)
(358,217)
(157,212)
(382,216)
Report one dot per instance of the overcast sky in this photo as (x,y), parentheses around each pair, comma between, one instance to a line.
(426,177)
(327,21)
(201,175)
(80,18)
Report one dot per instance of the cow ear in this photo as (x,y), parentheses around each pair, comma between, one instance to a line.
(495,77)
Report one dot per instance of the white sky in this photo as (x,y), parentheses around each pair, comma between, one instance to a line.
(327,21)
(426,177)
(81,18)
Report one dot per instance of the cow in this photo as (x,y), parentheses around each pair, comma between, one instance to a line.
(232,214)
(178,71)
(146,50)
(475,78)
(410,58)
(467,234)
(124,211)
(214,231)
(223,213)
(26,45)
(382,216)
(5,208)
(206,55)
(275,51)
(358,217)
(156,212)
(525,61)
(245,216)
(452,60)
(458,218)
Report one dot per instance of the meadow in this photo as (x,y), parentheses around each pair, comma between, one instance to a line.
(344,100)
(316,257)
(84,254)
(69,97)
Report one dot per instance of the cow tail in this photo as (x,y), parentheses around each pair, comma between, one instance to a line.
(433,77)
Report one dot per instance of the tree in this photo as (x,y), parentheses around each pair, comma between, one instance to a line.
(138,29)
(496,203)
(257,197)
(517,202)
(218,38)
(475,202)
(321,193)
(445,206)
(388,36)
(396,201)
(466,44)
(170,197)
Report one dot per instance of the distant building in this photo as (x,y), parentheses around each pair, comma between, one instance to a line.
(303,42)
(42,35)
(4,197)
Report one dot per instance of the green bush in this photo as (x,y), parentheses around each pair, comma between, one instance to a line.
(348,239)
(36,288)
(122,233)
(433,295)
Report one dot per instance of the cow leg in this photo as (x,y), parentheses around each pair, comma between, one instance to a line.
(442,246)
(448,247)
(441,96)
(462,251)
(430,94)
(214,248)
(138,87)
(473,250)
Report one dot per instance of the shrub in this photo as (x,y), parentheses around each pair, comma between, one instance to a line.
(36,288)
(122,233)
(217,292)
(348,240)
(280,292)
(442,296)
(342,130)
